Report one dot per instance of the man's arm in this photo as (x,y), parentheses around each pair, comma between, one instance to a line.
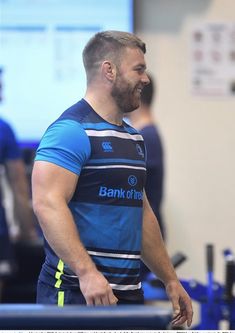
(53,187)
(16,176)
(155,256)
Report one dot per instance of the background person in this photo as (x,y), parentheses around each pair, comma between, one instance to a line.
(12,168)
(142,119)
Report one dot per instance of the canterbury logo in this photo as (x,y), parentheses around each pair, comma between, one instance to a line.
(107,146)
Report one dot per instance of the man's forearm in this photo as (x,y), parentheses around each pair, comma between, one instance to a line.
(154,253)
(157,258)
(61,233)
(24,215)
(23,212)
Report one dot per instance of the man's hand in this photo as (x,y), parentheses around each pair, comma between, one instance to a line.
(96,289)
(181,303)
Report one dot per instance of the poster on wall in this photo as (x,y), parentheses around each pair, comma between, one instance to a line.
(212,58)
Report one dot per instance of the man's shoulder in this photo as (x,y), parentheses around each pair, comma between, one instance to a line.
(150,132)
(6,131)
(4,125)
(80,112)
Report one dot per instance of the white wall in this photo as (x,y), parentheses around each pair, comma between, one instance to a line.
(199,134)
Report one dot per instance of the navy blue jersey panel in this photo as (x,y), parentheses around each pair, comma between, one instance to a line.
(121,187)
(111,147)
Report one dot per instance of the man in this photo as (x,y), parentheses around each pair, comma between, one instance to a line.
(142,120)
(88,182)
(12,167)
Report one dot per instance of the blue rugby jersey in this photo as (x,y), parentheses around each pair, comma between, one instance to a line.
(107,203)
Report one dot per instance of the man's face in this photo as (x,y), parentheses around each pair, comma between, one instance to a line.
(130,80)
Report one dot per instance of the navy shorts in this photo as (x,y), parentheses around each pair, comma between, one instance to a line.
(47,294)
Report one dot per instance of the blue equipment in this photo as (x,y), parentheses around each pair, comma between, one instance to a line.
(71,317)
(217,302)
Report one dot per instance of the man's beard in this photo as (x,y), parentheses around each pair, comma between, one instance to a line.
(125,95)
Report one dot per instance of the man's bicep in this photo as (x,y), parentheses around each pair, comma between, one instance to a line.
(51,180)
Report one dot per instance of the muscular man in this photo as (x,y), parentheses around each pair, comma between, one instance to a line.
(88,190)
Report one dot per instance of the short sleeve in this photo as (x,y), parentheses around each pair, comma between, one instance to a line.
(65,143)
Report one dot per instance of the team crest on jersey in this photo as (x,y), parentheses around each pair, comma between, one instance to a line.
(139,150)
(132,180)
(107,146)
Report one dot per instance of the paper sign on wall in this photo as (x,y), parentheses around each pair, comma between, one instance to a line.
(213,60)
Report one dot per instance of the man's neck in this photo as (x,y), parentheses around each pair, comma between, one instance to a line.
(105,107)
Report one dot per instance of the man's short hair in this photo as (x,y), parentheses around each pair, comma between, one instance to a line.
(108,45)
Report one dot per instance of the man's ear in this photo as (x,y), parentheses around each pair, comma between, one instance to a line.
(109,70)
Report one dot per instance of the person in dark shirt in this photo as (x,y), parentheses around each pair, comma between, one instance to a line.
(13,169)
(142,119)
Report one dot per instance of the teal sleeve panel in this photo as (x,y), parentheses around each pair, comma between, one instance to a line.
(65,143)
